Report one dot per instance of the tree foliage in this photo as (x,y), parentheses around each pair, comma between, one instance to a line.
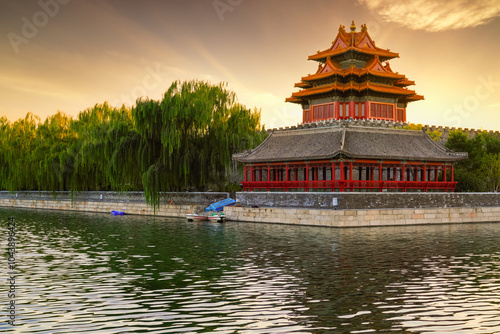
(435,135)
(481,170)
(183,142)
(188,138)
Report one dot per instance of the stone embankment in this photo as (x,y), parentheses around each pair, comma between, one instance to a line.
(363,218)
(315,209)
(172,204)
(365,209)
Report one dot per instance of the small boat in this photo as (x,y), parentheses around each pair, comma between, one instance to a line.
(197,216)
(117,213)
(215,217)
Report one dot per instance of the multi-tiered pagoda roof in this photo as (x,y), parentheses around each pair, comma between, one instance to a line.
(342,144)
(354,80)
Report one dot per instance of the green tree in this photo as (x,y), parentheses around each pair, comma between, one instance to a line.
(54,137)
(490,169)
(479,172)
(94,149)
(5,147)
(183,142)
(188,138)
(22,169)
(435,135)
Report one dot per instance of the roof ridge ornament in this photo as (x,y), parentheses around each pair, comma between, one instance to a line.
(353,26)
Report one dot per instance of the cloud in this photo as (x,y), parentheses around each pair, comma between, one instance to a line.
(435,15)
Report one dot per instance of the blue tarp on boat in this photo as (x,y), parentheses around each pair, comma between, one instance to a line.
(219,206)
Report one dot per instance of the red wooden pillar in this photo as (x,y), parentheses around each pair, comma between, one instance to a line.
(286,177)
(380,177)
(307,178)
(342,176)
(367,110)
(352,110)
(424,177)
(350,176)
(246,171)
(403,177)
(268,176)
(452,177)
(337,109)
(332,181)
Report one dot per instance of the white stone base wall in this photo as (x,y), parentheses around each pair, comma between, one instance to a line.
(313,217)
(359,218)
(107,207)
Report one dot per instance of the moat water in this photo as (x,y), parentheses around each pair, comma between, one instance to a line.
(97,273)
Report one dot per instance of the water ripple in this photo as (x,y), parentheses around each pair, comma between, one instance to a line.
(458,295)
(89,273)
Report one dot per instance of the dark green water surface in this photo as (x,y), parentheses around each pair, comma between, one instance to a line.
(97,273)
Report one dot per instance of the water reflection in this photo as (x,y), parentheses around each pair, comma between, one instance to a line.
(458,294)
(93,273)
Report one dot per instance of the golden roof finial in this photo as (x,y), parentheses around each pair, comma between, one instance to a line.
(353,26)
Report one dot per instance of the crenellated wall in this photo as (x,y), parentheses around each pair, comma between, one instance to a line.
(445,130)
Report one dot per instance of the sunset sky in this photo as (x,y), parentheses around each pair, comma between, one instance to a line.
(68,55)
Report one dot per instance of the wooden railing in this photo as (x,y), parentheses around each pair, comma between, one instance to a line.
(350,185)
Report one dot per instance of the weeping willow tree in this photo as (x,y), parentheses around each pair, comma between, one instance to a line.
(62,153)
(185,141)
(55,137)
(122,140)
(21,168)
(5,128)
(98,129)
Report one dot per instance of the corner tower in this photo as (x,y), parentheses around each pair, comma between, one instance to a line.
(354,80)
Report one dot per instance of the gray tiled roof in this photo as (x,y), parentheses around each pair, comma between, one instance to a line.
(352,141)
